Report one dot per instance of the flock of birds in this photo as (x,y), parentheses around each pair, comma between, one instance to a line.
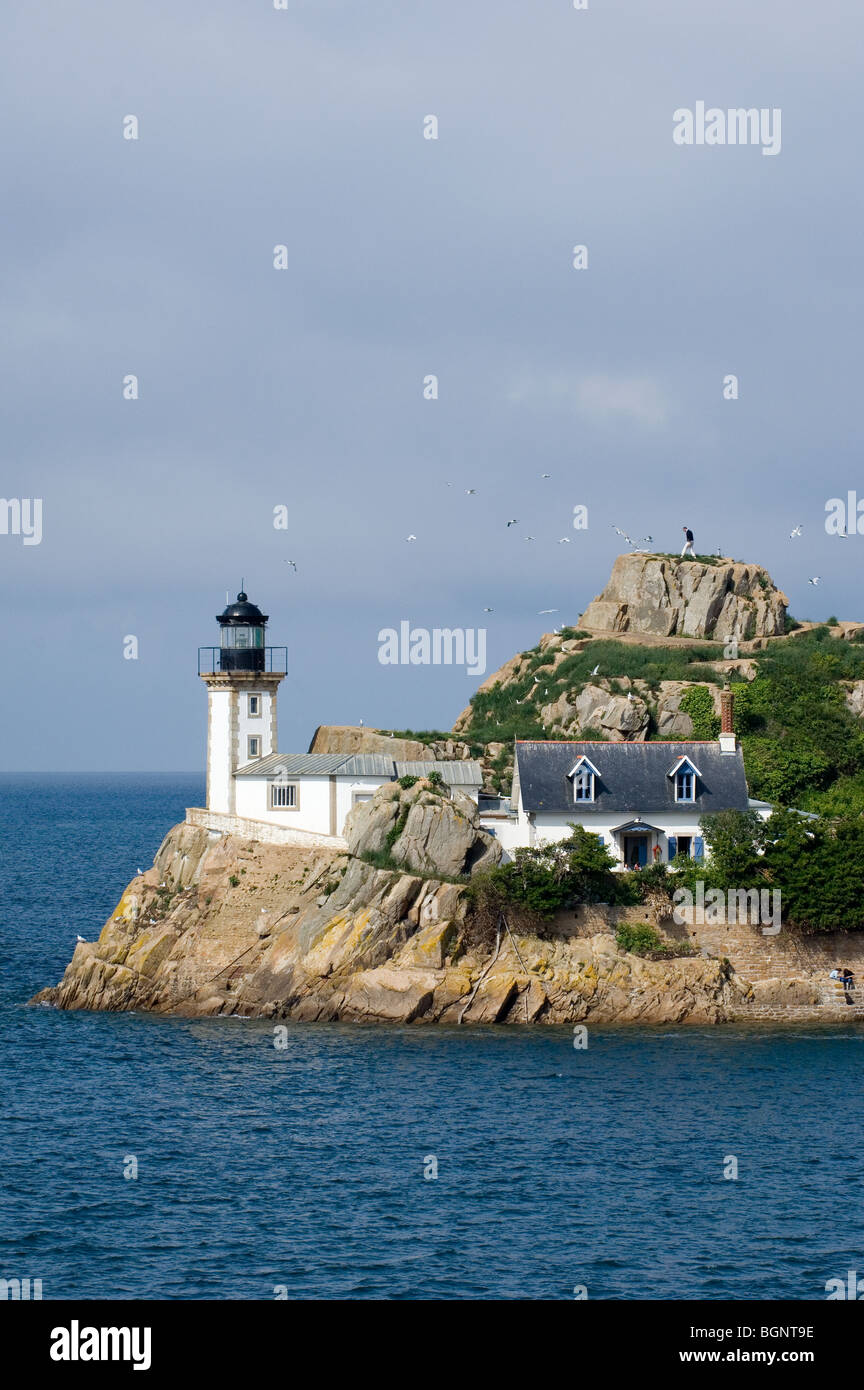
(636,545)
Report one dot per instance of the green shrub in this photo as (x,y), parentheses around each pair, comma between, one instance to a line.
(699,704)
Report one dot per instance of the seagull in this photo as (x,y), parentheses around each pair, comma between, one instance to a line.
(646,539)
(470,491)
(139,872)
(545,475)
(565,540)
(541,611)
(79,937)
(412,537)
(292,563)
(514,522)
(815,579)
(617,530)
(842,535)
(528,538)
(488,610)
(796,532)
(596,669)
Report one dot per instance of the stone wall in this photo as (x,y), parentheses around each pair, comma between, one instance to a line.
(247,829)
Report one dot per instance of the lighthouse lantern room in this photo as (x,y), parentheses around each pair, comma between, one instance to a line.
(242,676)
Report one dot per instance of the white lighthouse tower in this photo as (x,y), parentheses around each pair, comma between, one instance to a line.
(242,676)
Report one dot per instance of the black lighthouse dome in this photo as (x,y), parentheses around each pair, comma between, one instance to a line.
(242,638)
(242,611)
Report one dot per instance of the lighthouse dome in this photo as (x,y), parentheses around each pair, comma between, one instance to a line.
(242,611)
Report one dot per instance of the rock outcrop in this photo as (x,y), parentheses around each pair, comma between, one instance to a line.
(224,926)
(687,598)
(423,830)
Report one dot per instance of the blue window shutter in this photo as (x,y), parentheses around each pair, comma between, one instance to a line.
(699,848)
(602,841)
(673,846)
(643,851)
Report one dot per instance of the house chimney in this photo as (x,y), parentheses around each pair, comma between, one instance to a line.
(728,742)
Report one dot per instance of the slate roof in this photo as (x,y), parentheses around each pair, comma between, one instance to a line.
(633,777)
(456,773)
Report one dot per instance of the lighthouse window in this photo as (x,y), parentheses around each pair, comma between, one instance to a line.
(283,796)
(254,706)
(253,744)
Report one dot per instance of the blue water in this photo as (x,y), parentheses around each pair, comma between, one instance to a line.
(304,1168)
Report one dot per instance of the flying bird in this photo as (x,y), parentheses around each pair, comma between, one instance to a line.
(412,537)
(488,610)
(470,491)
(541,611)
(292,563)
(796,532)
(528,538)
(815,579)
(514,522)
(545,475)
(596,669)
(565,540)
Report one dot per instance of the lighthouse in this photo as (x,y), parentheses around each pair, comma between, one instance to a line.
(242,676)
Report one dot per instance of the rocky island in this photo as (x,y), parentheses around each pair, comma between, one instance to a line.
(382,921)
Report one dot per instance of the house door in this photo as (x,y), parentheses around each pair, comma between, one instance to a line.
(635,851)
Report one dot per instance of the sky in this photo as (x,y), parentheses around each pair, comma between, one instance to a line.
(303,388)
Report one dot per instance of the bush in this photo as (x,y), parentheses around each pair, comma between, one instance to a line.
(818,865)
(547,879)
(407,781)
(641,939)
(698,702)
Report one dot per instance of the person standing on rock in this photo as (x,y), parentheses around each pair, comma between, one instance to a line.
(688,542)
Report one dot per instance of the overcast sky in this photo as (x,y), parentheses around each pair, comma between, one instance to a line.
(407,256)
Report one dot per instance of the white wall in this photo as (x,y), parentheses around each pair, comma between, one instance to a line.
(251,799)
(220,782)
(258,830)
(313,805)
(262,725)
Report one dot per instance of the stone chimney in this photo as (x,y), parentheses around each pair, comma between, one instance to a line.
(728,742)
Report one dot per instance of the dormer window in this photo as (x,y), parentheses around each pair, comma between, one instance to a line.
(584,776)
(684,775)
(685,784)
(583,785)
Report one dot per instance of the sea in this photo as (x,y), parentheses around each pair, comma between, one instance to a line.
(169,1158)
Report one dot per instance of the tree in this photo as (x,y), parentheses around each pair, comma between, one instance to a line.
(735,839)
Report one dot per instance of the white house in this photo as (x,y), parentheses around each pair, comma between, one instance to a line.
(643,800)
(254,789)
